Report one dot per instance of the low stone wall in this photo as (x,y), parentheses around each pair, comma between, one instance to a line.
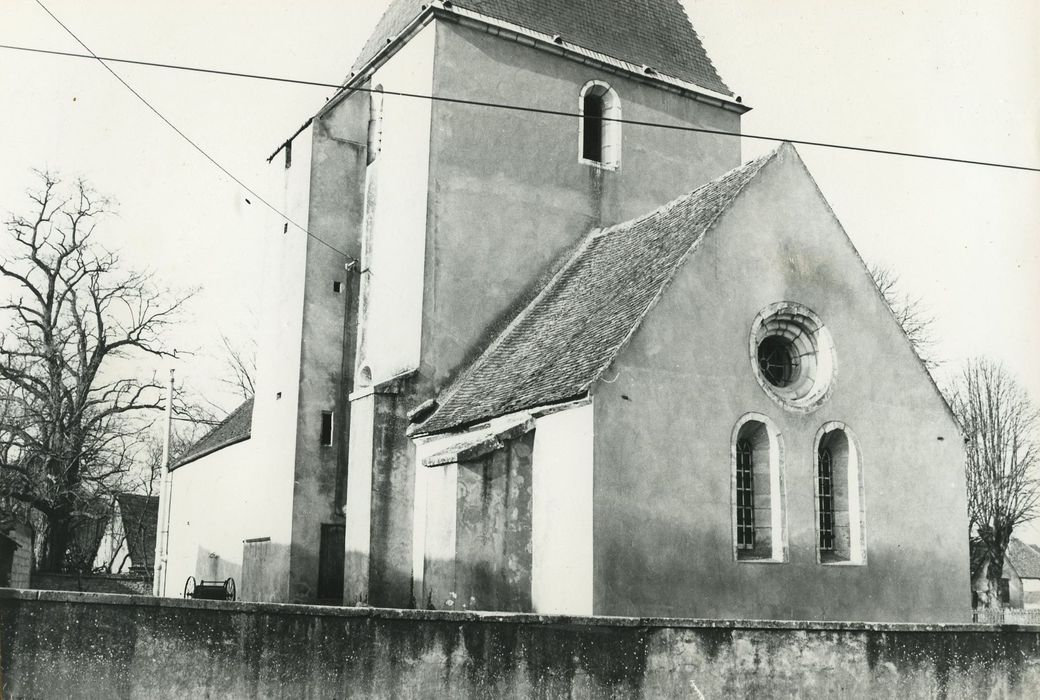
(89,645)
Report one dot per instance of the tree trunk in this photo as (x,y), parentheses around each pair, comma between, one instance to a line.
(996,548)
(57,539)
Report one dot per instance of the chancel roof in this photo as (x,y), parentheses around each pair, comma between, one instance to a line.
(655,33)
(563,340)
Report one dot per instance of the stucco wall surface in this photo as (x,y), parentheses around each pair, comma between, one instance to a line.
(664,426)
(509,196)
(94,646)
(216,503)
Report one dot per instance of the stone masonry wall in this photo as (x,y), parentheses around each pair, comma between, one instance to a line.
(89,645)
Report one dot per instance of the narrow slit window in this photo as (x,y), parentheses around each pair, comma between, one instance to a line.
(288,154)
(745,496)
(326,428)
(826,488)
(337,287)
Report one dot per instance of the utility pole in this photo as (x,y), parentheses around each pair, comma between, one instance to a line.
(162,542)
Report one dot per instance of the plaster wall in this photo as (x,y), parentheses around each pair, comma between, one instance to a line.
(398,190)
(562,520)
(358,510)
(523,512)
(508,194)
(1015,587)
(216,503)
(333,157)
(259,484)
(113,550)
(663,508)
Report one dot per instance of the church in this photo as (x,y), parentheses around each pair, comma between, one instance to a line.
(556,360)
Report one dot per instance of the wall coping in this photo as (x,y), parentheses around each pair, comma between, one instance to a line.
(497,617)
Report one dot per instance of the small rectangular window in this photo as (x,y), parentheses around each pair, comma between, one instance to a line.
(326,428)
(337,287)
(288,154)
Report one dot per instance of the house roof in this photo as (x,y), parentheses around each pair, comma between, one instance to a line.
(1024,558)
(140,515)
(233,429)
(656,33)
(88,531)
(564,340)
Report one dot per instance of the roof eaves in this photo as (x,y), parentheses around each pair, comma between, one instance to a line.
(539,40)
(562,47)
(476,444)
(210,450)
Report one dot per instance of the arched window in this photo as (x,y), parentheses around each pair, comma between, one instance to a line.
(839,497)
(600,134)
(375,123)
(758,498)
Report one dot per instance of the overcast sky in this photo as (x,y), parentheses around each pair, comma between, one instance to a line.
(943,77)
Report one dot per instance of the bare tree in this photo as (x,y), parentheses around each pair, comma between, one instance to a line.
(911,313)
(999,423)
(74,320)
(241,365)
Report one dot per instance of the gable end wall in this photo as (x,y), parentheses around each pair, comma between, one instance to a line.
(663,427)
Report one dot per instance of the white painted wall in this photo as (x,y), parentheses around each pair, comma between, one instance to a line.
(1031,585)
(561,575)
(397,248)
(358,507)
(113,548)
(245,491)
(215,503)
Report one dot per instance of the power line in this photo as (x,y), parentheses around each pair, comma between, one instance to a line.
(184,136)
(521,108)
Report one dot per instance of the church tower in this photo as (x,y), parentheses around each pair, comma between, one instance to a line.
(438,220)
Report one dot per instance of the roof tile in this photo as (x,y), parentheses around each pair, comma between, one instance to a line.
(657,33)
(560,344)
(235,428)
(1024,558)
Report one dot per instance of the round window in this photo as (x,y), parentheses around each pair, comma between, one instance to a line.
(793,355)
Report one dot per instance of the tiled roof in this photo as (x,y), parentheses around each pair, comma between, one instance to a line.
(1024,558)
(140,516)
(235,428)
(561,343)
(656,33)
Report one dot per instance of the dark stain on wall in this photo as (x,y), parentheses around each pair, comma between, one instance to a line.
(86,645)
